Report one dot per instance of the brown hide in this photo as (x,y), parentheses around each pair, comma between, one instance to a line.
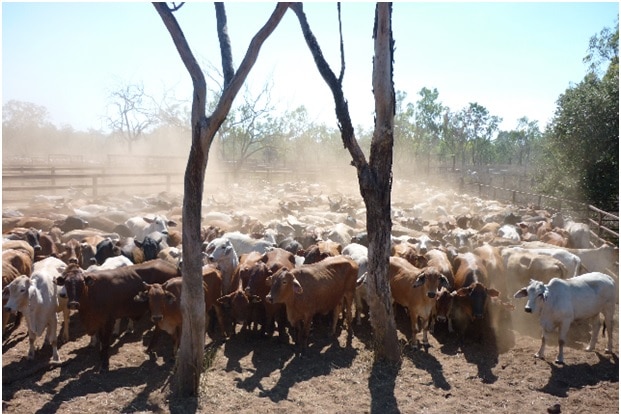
(106,295)
(319,288)
(322,250)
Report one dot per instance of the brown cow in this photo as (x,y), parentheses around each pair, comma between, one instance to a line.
(72,252)
(321,250)
(408,252)
(102,297)
(318,288)
(470,298)
(165,305)
(416,290)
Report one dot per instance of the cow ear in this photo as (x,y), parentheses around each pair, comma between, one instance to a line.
(493,292)
(521,293)
(444,282)
(171,297)
(420,280)
(225,301)
(148,220)
(297,288)
(171,223)
(462,292)
(141,297)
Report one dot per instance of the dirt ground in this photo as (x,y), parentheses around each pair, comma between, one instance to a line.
(252,374)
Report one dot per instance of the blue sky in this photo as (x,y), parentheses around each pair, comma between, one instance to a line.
(513,58)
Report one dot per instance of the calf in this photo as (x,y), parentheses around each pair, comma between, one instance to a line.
(471,291)
(220,251)
(318,288)
(561,302)
(37,299)
(104,296)
(165,305)
(416,290)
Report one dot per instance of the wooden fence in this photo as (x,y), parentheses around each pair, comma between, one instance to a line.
(22,182)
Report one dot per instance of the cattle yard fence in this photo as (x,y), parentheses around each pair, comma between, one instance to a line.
(24,180)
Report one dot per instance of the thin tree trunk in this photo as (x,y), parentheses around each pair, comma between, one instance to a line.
(375,177)
(190,354)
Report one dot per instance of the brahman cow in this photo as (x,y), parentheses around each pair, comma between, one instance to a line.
(561,302)
(416,290)
(140,226)
(319,288)
(104,296)
(471,295)
(37,299)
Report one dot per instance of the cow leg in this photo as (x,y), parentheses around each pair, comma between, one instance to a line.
(608,321)
(52,337)
(540,354)
(105,334)
(595,324)
(116,330)
(414,328)
(335,317)
(31,341)
(562,337)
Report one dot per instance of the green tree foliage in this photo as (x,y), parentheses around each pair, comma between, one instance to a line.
(580,158)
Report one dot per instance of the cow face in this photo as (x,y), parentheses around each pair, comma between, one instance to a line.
(432,280)
(17,294)
(75,285)
(477,294)
(444,304)
(535,292)
(218,248)
(149,246)
(158,298)
(283,285)
(72,252)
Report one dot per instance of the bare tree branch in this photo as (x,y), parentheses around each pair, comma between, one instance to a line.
(338,5)
(225,44)
(342,111)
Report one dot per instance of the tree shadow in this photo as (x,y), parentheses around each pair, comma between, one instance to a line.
(566,377)
(382,387)
(322,356)
(425,361)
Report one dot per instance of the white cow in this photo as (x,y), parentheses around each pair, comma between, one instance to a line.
(561,302)
(243,243)
(110,263)
(222,252)
(37,299)
(360,255)
(570,260)
(141,226)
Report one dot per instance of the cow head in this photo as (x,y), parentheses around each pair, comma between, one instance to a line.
(432,279)
(18,292)
(477,294)
(75,284)
(283,285)
(157,297)
(535,291)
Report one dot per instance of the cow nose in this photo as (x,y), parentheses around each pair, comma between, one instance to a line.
(37,247)
(423,250)
(73,305)
(528,310)
(73,260)
(157,318)
(8,309)
(441,318)
(431,295)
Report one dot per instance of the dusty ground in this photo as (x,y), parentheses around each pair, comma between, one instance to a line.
(249,374)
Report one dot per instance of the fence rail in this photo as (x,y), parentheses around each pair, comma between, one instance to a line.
(25,181)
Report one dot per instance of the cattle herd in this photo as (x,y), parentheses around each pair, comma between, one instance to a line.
(278,257)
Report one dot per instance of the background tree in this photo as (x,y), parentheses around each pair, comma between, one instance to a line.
(26,128)
(479,128)
(131,112)
(580,157)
